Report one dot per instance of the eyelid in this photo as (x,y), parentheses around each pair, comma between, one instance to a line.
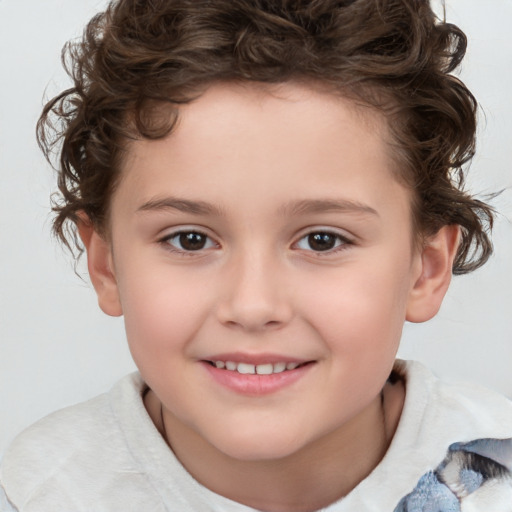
(173,233)
(346,240)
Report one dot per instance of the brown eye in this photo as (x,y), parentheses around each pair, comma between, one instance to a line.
(192,241)
(189,241)
(322,241)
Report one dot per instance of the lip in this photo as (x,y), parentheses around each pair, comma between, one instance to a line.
(260,358)
(254,384)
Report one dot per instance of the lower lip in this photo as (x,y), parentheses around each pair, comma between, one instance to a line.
(254,384)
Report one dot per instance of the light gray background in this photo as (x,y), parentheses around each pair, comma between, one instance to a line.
(57,348)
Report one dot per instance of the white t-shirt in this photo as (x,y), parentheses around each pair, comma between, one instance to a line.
(452,452)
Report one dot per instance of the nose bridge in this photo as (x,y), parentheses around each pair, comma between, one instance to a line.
(255,295)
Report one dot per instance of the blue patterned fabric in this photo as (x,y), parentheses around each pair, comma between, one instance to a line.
(479,471)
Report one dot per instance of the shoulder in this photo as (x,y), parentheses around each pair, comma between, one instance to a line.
(457,439)
(464,408)
(81,443)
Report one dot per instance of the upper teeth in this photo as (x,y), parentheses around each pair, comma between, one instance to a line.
(260,369)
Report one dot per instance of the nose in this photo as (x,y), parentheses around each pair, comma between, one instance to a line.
(255,296)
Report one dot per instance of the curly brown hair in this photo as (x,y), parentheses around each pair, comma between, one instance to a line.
(395,55)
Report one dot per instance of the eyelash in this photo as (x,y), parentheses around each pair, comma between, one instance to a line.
(166,241)
(342,242)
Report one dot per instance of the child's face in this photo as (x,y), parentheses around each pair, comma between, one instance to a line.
(299,250)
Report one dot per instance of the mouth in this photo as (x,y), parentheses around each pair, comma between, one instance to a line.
(257,369)
(256,374)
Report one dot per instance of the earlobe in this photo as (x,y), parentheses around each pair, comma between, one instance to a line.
(100,267)
(436,261)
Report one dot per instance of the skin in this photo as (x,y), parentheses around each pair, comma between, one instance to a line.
(272,166)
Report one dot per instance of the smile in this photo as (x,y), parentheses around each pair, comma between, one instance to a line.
(255,369)
(256,375)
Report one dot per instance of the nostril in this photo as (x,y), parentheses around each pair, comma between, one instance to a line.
(253,313)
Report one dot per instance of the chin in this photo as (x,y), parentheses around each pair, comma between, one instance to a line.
(258,446)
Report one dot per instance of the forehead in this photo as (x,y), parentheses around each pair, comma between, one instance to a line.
(290,114)
(307,109)
(288,141)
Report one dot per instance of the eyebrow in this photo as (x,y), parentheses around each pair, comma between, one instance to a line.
(326,205)
(305,206)
(182,205)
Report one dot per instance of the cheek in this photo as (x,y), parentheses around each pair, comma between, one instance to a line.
(162,313)
(360,304)
(360,317)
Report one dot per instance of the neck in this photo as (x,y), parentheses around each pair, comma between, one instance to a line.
(310,479)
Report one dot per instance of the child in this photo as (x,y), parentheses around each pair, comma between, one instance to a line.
(266,191)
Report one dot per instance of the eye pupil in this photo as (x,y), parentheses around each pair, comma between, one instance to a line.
(321,241)
(192,241)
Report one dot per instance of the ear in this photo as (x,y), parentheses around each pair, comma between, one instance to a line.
(436,260)
(101,268)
